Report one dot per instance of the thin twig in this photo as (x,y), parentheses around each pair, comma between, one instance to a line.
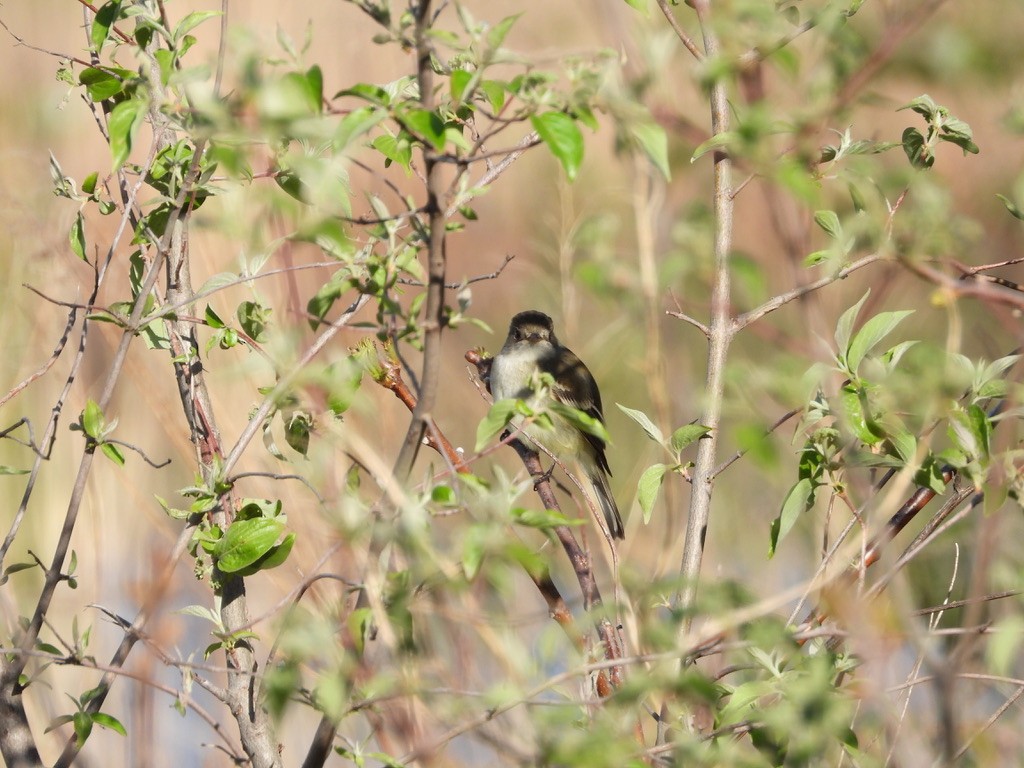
(691,320)
(988,723)
(72,316)
(741,453)
(136,449)
(467,281)
(742,321)
(684,38)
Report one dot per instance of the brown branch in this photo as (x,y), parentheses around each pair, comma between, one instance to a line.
(742,321)
(389,376)
(913,506)
(493,173)
(980,287)
(469,281)
(436,261)
(17,388)
(684,38)
(125,38)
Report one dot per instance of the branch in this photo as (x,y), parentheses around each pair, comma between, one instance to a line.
(752,316)
(72,316)
(740,454)
(720,336)
(436,261)
(684,38)
(389,376)
(468,281)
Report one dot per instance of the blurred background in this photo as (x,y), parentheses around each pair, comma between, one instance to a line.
(606,256)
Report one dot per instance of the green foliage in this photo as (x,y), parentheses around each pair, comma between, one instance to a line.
(942,126)
(83,720)
(302,189)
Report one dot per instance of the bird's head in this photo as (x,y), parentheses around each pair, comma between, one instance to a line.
(532,327)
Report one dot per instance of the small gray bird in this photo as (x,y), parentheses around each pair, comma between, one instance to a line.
(531,349)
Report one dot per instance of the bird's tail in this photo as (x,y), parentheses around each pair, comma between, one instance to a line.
(606,501)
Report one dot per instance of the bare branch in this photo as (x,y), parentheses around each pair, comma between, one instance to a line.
(684,38)
(691,320)
(742,321)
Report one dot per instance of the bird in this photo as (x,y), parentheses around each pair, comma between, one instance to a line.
(530,350)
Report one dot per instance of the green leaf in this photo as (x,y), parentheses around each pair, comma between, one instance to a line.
(924,105)
(644,421)
(971,431)
(1012,207)
(653,141)
(904,444)
(639,5)
(929,475)
(356,123)
(372,93)
(916,149)
(104,83)
(92,420)
(315,84)
(443,494)
(5,470)
(719,140)
(495,91)
(253,318)
(276,556)
(473,551)
(245,542)
(192,21)
(292,96)
(581,420)
(686,435)
(829,221)
(109,722)
(543,519)
(212,318)
(101,24)
(123,124)
(76,237)
(89,183)
(844,326)
(873,331)
(201,612)
(563,137)
(297,430)
(798,500)
(497,34)
(494,422)
(395,150)
(426,125)
(83,726)
(113,452)
(856,415)
(460,78)
(648,488)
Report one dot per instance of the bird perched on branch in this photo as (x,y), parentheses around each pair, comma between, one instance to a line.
(518,372)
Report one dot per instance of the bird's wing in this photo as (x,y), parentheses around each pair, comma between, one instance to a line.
(580,393)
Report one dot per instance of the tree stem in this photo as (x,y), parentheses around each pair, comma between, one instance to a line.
(720,336)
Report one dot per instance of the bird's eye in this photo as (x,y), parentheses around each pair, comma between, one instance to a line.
(518,334)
